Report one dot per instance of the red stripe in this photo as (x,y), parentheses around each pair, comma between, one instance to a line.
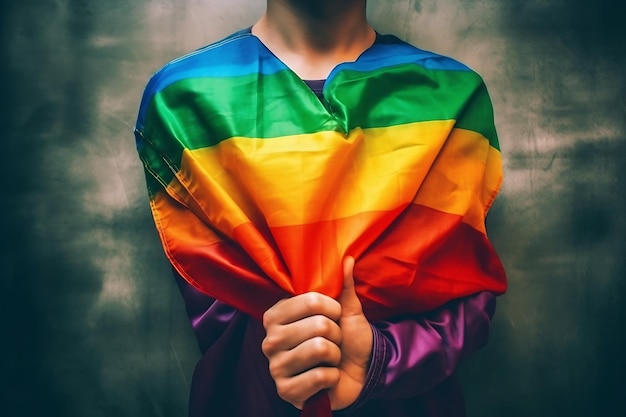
(225,272)
(424,259)
(314,252)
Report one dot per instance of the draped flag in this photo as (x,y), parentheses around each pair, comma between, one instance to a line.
(259,189)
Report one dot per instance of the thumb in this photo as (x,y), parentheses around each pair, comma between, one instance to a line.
(350,303)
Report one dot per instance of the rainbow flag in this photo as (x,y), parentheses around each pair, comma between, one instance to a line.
(259,189)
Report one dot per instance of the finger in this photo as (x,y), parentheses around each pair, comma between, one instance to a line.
(310,354)
(298,389)
(288,336)
(350,303)
(301,306)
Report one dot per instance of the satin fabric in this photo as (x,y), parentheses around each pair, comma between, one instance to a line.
(259,189)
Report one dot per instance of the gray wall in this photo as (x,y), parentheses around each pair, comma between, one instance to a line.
(91,322)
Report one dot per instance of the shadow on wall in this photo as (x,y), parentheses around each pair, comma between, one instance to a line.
(93,320)
(560,223)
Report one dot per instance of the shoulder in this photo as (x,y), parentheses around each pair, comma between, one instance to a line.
(390,51)
(232,56)
(391,63)
(215,59)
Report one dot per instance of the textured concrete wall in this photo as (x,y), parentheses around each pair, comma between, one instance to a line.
(92,324)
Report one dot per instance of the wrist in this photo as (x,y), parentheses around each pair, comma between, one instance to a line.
(374,375)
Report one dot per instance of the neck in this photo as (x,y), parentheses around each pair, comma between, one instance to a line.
(313,36)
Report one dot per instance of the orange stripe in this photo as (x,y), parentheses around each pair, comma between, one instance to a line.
(464,178)
(211,264)
(313,253)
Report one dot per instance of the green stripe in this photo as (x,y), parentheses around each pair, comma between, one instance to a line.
(201,112)
(433,95)
(478,116)
(154,185)
(157,171)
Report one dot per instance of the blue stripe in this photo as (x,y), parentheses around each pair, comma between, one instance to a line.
(390,51)
(237,55)
(243,54)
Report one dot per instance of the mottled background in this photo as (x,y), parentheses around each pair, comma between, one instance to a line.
(91,321)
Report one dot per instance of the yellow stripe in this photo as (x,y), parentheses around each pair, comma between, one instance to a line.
(325,176)
(464,179)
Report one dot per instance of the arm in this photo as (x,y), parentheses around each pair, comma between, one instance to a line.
(413,355)
(209,318)
(408,357)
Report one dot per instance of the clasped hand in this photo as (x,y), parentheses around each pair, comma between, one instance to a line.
(314,342)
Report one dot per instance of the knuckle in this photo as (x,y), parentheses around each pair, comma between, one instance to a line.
(326,327)
(268,346)
(283,390)
(274,368)
(322,325)
(325,351)
(317,377)
(320,348)
(324,377)
(330,378)
(287,392)
(268,318)
(313,301)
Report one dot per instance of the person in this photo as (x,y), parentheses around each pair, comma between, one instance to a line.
(267,351)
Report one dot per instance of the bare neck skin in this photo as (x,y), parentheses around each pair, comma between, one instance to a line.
(313,36)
